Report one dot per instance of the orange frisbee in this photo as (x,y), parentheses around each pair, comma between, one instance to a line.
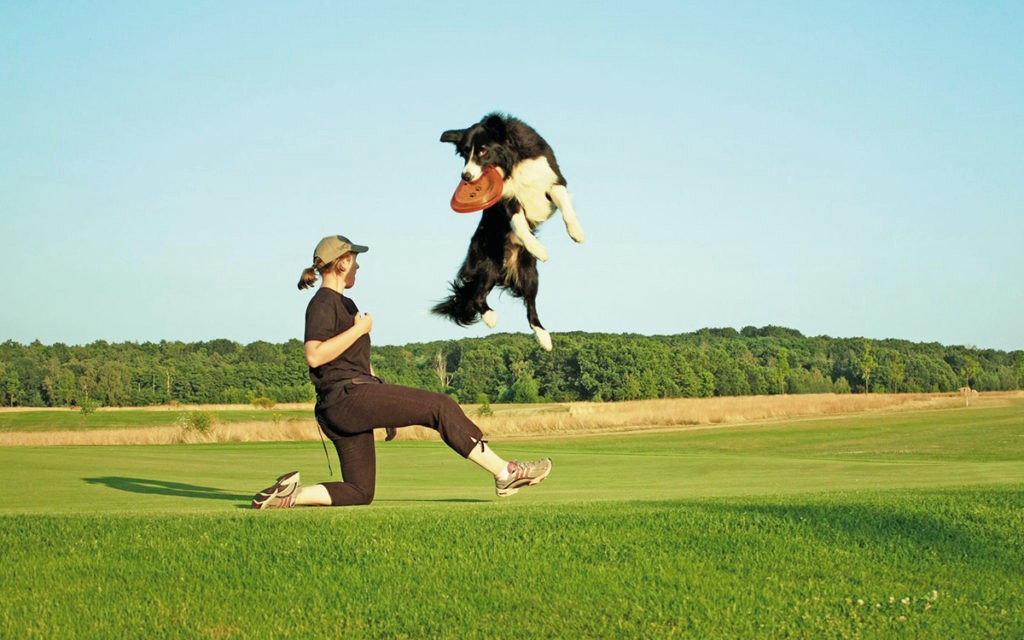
(479,194)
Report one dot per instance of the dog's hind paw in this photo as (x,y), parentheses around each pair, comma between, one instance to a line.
(490,318)
(543,338)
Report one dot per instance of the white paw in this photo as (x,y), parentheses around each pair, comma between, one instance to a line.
(543,338)
(490,318)
(538,250)
(575,231)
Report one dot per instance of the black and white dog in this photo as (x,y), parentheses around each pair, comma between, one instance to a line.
(503,251)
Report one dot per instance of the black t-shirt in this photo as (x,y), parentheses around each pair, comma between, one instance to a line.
(328,314)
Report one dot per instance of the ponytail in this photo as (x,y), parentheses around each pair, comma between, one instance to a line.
(308,278)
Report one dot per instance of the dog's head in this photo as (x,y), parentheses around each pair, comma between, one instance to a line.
(482,145)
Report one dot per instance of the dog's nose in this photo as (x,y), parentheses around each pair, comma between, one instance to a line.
(467,177)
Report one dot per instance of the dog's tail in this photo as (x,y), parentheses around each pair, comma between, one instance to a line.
(457,308)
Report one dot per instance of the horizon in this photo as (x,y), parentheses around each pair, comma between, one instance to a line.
(497,334)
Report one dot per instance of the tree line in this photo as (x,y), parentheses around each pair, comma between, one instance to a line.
(506,368)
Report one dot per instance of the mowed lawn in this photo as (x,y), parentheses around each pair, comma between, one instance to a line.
(893,524)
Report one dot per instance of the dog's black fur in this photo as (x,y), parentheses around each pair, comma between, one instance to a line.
(503,251)
(492,261)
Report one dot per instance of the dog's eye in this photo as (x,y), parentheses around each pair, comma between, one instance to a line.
(481,153)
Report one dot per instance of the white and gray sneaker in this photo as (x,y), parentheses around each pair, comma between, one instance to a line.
(522,474)
(280,495)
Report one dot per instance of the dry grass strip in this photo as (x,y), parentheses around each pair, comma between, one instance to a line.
(507,421)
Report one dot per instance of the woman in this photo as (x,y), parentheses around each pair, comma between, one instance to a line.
(351,402)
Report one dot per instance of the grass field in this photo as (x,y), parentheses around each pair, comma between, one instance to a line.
(901,524)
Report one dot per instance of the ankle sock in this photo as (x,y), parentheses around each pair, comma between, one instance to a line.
(504,475)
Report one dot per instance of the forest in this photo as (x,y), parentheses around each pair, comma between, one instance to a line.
(506,368)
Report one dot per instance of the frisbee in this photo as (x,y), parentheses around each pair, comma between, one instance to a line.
(479,194)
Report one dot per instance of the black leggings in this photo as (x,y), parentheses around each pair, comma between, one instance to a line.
(350,421)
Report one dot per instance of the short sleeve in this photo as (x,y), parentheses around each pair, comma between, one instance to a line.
(325,318)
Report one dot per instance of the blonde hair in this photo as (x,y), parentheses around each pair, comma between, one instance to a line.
(308,277)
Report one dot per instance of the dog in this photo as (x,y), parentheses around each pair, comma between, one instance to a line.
(504,250)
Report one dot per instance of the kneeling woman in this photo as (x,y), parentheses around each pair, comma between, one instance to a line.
(352,402)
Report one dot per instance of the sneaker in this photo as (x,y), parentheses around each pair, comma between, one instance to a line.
(281,495)
(522,474)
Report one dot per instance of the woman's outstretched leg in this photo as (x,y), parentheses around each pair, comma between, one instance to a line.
(384,405)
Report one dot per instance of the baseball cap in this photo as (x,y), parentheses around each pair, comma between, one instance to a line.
(333,247)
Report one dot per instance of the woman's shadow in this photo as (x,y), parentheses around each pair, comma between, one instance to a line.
(182,490)
(164,488)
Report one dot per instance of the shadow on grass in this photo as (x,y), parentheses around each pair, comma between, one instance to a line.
(470,500)
(164,488)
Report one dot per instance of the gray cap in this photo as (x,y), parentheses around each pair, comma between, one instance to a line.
(333,247)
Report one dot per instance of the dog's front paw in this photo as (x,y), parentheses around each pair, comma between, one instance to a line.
(575,231)
(490,318)
(537,250)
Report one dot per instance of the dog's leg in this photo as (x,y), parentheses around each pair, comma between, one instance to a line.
(479,274)
(526,286)
(480,301)
(560,196)
(522,230)
(543,338)
(489,273)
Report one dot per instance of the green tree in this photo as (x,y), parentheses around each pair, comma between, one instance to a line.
(584,366)
(525,388)
(782,372)
(729,379)
(58,384)
(480,370)
(813,381)
(7,385)
(113,383)
(867,366)
(890,371)
(969,370)
(12,388)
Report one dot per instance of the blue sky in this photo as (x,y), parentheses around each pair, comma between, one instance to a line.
(844,169)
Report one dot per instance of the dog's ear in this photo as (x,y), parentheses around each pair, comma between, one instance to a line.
(494,124)
(453,136)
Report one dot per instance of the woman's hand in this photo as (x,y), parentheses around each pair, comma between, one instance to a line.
(363,323)
(321,352)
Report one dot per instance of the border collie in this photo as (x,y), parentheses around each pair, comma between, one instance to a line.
(503,251)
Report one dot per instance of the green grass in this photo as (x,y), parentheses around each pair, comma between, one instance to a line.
(901,525)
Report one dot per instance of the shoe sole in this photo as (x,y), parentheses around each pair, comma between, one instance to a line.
(271,492)
(514,488)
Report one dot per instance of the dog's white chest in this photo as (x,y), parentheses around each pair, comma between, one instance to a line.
(529,184)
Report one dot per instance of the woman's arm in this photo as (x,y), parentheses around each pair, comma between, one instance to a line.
(320,352)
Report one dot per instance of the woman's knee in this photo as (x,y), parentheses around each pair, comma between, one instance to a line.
(360,493)
(365,494)
(349,494)
(446,405)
